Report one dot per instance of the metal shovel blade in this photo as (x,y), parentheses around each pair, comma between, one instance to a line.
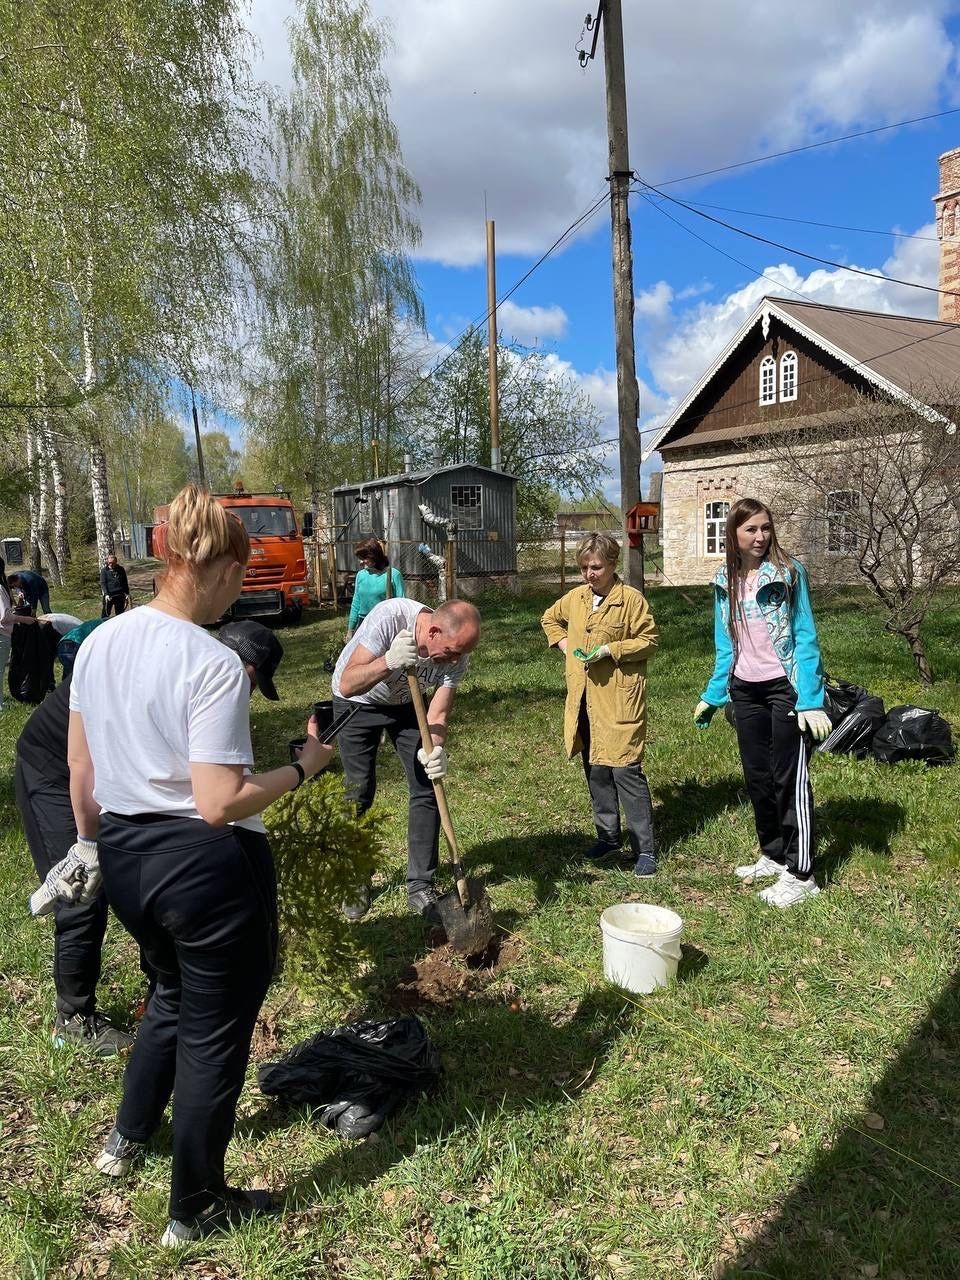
(468,930)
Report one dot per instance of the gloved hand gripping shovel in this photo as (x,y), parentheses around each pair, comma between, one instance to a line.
(465,912)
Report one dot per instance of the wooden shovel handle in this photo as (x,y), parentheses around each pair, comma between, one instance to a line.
(426,738)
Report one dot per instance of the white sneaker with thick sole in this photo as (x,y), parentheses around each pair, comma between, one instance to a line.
(762,869)
(788,891)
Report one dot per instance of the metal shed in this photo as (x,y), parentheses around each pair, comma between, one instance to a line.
(482,501)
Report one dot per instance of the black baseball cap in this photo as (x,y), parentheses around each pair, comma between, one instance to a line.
(257,645)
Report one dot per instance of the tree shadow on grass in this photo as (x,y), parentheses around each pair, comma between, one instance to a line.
(495,1059)
(879,1198)
(548,858)
(852,821)
(684,808)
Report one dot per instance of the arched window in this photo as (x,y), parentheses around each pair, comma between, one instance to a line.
(768,380)
(788,375)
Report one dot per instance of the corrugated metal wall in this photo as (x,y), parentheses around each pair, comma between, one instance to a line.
(391,513)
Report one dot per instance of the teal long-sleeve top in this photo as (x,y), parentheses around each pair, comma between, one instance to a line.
(368,590)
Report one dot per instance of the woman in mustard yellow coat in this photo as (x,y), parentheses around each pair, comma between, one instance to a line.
(606,632)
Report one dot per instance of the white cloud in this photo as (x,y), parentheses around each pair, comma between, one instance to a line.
(679,352)
(654,303)
(493,110)
(531,325)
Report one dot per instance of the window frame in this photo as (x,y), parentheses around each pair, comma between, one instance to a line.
(789,361)
(840,539)
(768,366)
(458,509)
(719,524)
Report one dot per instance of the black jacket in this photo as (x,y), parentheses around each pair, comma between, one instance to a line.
(114,581)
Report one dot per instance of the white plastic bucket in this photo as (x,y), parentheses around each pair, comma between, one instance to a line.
(641,945)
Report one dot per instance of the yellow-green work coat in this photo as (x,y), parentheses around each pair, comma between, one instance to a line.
(615,687)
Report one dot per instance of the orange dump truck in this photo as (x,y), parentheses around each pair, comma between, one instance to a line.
(275,584)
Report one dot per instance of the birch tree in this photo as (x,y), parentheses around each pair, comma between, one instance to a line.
(334,283)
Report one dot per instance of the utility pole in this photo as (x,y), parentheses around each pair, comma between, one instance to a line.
(196,433)
(492,345)
(628,394)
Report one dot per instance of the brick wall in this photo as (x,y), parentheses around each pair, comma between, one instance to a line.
(947,205)
(692,478)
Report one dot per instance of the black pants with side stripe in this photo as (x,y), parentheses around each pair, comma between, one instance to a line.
(775,757)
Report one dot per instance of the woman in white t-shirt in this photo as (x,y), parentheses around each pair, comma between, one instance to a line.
(768,665)
(160,762)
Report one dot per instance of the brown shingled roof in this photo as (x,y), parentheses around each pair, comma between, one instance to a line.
(901,355)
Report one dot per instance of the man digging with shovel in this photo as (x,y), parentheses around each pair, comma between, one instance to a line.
(397,636)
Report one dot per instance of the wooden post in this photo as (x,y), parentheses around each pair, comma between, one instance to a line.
(450,568)
(492,346)
(628,394)
(643,584)
(332,570)
(563,559)
(318,571)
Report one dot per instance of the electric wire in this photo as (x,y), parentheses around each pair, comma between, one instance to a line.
(800,253)
(810,222)
(810,146)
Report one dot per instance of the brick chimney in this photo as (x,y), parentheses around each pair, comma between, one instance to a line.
(947,205)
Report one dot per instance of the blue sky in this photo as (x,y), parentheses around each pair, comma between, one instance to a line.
(494,111)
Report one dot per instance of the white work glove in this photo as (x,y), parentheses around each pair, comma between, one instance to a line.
(703,714)
(402,652)
(817,723)
(602,652)
(434,764)
(75,879)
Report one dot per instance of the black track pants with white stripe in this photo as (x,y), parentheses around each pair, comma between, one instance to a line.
(775,756)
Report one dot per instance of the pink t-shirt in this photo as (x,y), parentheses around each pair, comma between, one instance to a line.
(756,658)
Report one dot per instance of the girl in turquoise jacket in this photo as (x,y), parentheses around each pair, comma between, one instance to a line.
(768,666)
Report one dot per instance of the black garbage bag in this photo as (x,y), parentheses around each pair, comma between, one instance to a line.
(32,651)
(913,733)
(357,1074)
(840,698)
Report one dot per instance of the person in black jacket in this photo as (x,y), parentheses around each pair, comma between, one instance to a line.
(42,783)
(114,587)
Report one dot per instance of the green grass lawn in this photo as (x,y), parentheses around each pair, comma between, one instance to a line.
(789,1108)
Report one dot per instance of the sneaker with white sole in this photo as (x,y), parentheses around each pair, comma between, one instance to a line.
(119,1155)
(223,1214)
(789,890)
(763,869)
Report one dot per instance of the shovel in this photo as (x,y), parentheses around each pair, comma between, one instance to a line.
(465,912)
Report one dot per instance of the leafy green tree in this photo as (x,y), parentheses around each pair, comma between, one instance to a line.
(549,427)
(335,290)
(124,176)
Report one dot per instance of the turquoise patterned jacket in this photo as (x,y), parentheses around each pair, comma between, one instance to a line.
(790,626)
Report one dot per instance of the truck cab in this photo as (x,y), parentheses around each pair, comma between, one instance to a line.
(275,583)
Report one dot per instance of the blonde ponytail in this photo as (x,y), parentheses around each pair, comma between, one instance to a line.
(200,531)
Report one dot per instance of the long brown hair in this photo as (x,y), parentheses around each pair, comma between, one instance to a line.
(739,514)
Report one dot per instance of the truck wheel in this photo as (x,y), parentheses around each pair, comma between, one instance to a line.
(293,614)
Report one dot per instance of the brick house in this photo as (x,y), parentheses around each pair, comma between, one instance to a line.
(794,364)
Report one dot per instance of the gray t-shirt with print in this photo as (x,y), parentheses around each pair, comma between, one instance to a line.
(376,633)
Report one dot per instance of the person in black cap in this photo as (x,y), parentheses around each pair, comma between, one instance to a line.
(260,652)
(42,782)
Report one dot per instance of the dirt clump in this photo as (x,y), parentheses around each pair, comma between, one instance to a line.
(443,976)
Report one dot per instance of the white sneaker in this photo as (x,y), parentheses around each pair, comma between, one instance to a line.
(789,890)
(762,869)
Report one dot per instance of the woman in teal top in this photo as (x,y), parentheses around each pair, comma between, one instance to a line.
(371,584)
